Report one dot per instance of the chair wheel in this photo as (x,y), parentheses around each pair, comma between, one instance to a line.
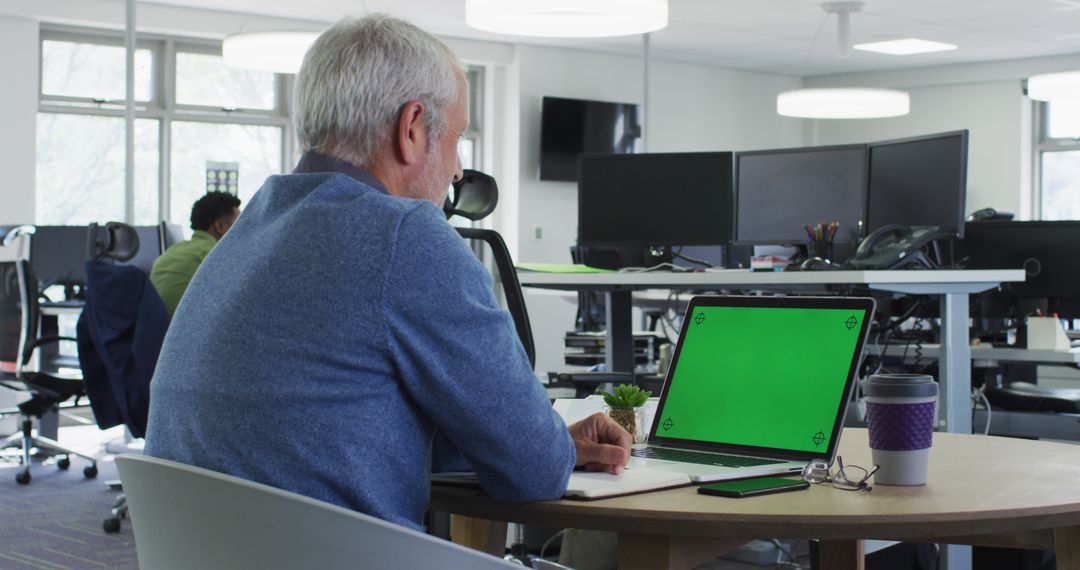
(63,464)
(111,525)
(23,477)
(90,472)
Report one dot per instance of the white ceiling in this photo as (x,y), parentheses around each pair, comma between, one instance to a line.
(794,37)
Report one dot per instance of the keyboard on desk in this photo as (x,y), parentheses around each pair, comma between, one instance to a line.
(701,458)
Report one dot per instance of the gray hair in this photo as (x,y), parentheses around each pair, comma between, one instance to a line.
(357,76)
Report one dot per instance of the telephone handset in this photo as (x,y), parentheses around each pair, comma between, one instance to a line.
(895,246)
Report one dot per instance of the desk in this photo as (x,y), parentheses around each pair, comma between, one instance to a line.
(1008,422)
(953,286)
(932,351)
(987,491)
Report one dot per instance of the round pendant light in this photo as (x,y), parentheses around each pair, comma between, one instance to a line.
(567,18)
(279,52)
(843,103)
(1054,86)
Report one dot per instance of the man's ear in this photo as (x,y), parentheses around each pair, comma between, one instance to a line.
(219,227)
(410,136)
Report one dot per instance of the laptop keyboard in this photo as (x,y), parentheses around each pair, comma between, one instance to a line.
(687,456)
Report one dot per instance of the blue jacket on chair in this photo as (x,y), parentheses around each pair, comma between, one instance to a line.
(119,334)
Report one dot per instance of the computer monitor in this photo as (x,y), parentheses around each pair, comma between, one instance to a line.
(1046,251)
(660,199)
(57,255)
(169,234)
(919,181)
(779,192)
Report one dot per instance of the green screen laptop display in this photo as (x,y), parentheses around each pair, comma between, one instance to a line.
(761,376)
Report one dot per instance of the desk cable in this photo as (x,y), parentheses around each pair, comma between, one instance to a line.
(667,322)
(551,539)
(658,267)
(790,563)
(977,395)
(678,254)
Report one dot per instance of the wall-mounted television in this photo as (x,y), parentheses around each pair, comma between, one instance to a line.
(569,127)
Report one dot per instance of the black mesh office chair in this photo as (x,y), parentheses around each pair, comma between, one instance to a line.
(120,333)
(475,197)
(48,388)
(511,287)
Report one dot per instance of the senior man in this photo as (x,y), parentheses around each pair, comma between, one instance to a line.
(344,342)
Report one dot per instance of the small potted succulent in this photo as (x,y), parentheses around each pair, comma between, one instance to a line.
(626,405)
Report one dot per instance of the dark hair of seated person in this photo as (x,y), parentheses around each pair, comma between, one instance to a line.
(210,208)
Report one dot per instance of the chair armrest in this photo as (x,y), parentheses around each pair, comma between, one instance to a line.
(42,341)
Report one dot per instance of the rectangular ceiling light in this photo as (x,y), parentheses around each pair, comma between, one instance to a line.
(907,46)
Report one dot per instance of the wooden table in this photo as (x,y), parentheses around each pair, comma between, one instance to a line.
(986,491)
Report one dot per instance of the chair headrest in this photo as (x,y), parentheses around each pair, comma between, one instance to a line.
(475,196)
(115,240)
(12,233)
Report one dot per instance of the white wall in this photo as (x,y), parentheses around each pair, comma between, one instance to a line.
(18,113)
(692,108)
(998,118)
(985,98)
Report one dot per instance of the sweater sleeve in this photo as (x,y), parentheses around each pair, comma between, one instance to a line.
(461,361)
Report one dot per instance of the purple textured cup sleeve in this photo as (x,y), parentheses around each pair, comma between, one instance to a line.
(900,427)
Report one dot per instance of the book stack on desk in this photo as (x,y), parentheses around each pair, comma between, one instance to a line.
(589,348)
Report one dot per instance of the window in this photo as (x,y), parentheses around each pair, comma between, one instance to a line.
(83,70)
(80,169)
(214,114)
(469,146)
(191,110)
(1058,154)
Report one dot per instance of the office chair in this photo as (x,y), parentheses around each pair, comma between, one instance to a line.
(475,197)
(48,389)
(120,333)
(188,517)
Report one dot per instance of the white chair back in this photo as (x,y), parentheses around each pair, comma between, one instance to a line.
(185,517)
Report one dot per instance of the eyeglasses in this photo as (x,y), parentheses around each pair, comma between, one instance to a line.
(847,478)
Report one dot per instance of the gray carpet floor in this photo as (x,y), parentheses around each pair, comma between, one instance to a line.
(54,523)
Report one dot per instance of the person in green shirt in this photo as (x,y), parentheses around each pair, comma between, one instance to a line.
(211,216)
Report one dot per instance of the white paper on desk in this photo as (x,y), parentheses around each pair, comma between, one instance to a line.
(590,484)
(598,484)
(576,409)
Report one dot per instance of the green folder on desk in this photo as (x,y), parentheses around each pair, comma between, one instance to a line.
(560,268)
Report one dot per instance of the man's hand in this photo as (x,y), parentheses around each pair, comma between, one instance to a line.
(602,444)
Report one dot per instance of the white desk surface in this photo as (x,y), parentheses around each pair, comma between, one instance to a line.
(60,311)
(946,280)
(985,352)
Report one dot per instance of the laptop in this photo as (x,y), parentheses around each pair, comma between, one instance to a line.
(757,386)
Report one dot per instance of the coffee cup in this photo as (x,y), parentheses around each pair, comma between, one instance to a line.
(901,410)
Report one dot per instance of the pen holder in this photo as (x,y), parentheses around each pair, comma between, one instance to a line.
(820,248)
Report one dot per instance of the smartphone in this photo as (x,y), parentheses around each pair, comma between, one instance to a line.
(752,487)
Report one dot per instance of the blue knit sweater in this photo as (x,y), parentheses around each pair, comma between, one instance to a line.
(332,336)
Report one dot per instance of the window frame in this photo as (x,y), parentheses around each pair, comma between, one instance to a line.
(474,78)
(162,105)
(1043,144)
